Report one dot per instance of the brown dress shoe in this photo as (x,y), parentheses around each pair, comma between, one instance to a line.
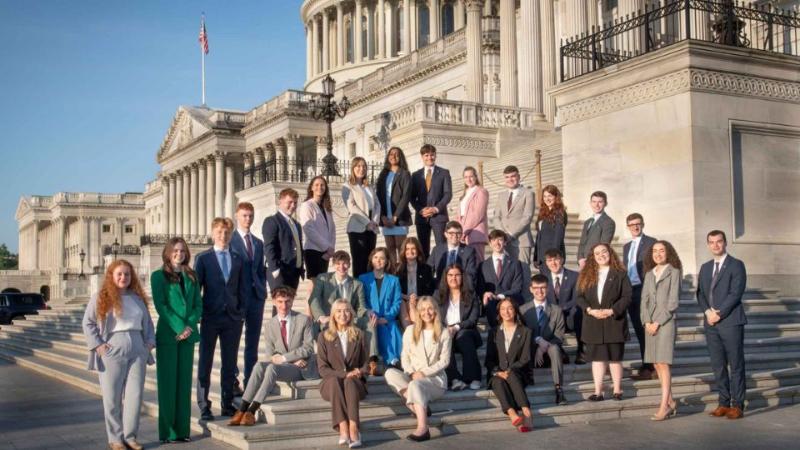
(117,446)
(734,413)
(721,411)
(133,445)
(237,419)
(248,419)
(644,374)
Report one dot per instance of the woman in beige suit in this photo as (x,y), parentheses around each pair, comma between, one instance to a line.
(364,211)
(319,232)
(426,354)
(660,297)
(342,359)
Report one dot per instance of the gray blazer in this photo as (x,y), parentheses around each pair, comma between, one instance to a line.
(553,328)
(99,332)
(325,292)
(300,340)
(660,298)
(516,222)
(602,231)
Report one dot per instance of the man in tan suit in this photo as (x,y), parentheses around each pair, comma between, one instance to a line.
(513,213)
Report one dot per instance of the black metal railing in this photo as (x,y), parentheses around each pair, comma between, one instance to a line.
(301,170)
(162,239)
(123,250)
(665,22)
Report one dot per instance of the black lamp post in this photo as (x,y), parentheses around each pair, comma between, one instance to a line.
(328,110)
(115,248)
(82,255)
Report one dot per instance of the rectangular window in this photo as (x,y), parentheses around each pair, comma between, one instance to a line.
(128,229)
(611,4)
(106,228)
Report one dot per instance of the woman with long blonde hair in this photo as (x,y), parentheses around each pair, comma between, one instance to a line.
(120,336)
(425,356)
(471,214)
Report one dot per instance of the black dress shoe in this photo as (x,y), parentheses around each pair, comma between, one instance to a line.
(228,411)
(596,398)
(206,415)
(428,411)
(422,438)
(560,399)
(617,397)
(579,360)
(183,440)
(167,441)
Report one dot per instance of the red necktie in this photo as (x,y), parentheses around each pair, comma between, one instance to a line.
(499,268)
(283,334)
(557,290)
(248,245)
(510,199)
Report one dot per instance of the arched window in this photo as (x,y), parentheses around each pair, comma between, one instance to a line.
(423,25)
(448,18)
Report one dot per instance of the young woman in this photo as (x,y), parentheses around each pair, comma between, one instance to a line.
(120,337)
(319,232)
(416,279)
(176,296)
(382,291)
(364,213)
(660,299)
(604,294)
(551,225)
(342,360)
(508,354)
(472,212)
(394,192)
(426,355)
(460,309)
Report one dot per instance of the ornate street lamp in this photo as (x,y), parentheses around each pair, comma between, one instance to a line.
(82,255)
(115,248)
(728,28)
(328,110)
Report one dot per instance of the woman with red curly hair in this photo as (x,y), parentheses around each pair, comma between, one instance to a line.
(120,336)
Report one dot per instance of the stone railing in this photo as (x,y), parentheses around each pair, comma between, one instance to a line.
(162,239)
(451,112)
(97,198)
(228,118)
(24,273)
(40,201)
(295,101)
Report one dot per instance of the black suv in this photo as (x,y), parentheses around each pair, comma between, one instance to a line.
(13,305)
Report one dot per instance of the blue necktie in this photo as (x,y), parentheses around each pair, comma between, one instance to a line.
(226,271)
(539,315)
(633,275)
(451,259)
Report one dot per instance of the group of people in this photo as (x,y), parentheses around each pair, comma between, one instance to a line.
(404,310)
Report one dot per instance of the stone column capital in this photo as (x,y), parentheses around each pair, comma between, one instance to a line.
(219,156)
(291,139)
(280,143)
(194,166)
(474,5)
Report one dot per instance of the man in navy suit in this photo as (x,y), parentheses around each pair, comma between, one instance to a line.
(220,275)
(283,243)
(499,277)
(251,250)
(720,288)
(452,252)
(431,191)
(634,254)
(562,291)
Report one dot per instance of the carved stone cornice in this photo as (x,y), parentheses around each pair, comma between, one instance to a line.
(685,80)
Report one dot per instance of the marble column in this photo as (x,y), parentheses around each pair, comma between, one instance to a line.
(258,162)
(202,189)
(508,53)
(358,47)
(530,70)
(210,199)
(391,31)
(458,12)
(291,148)
(186,206)
(173,203)
(406,27)
(193,200)
(97,253)
(326,34)
(340,36)
(629,7)
(165,203)
(474,55)
(179,203)
(548,46)
(120,223)
(592,15)
(487,7)
(381,41)
(315,45)
(414,24)
(35,245)
(219,184)
(280,160)
(309,54)
(229,189)
(61,229)
(248,170)
(578,16)
(434,21)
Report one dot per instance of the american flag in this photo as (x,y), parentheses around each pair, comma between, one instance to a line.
(203,38)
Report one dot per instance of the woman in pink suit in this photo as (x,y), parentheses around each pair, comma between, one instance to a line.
(472,212)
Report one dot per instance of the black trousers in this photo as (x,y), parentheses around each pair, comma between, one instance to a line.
(510,392)
(465,342)
(726,349)
(361,245)
(575,317)
(229,333)
(636,319)
(253,319)
(424,228)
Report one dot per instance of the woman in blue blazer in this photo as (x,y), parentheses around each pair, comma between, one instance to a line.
(384,299)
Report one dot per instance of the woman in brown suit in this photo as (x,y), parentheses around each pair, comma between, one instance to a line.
(343,359)
(604,294)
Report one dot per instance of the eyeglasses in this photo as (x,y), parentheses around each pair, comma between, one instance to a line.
(454,233)
(635,224)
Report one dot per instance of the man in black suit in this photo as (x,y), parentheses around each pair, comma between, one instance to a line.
(220,275)
(546,321)
(499,276)
(431,191)
(634,254)
(283,243)
(597,229)
(562,290)
(452,252)
(720,288)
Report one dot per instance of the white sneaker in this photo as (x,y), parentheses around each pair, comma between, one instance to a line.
(457,385)
(475,385)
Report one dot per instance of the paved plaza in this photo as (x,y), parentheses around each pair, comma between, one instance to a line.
(37,412)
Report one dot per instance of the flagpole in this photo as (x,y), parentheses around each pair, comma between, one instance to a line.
(203,70)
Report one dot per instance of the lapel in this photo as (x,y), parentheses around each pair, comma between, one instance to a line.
(463,308)
(721,271)
(640,249)
(469,198)
(216,266)
(664,276)
(517,199)
(563,281)
(278,331)
(611,277)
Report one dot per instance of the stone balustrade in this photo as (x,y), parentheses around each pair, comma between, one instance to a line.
(451,112)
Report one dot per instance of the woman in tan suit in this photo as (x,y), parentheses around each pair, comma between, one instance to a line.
(426,355)
(342,359)
(660,298)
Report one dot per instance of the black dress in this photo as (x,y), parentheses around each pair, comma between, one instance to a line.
(605,339)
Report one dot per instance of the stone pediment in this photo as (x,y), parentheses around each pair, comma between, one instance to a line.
(188,124)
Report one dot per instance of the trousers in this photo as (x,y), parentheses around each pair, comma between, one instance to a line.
(174,366)
(122,383)
(265,375)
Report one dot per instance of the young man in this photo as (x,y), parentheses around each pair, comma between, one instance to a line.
(562,291)
(452,252)
(597,229)
(499,277)
(290,356)
(720,288)
(513,213)
(283,243)
(547,323)
(431,191)
(220,275)
(254,276)
(634,253)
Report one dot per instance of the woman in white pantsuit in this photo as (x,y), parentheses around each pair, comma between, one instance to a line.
(120,336)
(425,356)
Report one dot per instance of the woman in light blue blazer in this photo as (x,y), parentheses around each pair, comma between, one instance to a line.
(384,299)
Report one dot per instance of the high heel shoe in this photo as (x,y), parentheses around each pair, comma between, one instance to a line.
(674,407)
(517,422)
(355,443)
(344,442)
(667,415)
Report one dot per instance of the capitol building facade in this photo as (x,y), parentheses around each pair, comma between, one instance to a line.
(687,112)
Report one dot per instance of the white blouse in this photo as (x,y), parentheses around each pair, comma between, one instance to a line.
(343,341)
(602,275)
(466,199)
(131,317)
(453,313)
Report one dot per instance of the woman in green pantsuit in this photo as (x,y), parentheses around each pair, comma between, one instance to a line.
(176,296)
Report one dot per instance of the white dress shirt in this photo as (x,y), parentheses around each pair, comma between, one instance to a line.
(453,316)
(602,275)
(223,253)
(495,258)
(466,199)
(343,341)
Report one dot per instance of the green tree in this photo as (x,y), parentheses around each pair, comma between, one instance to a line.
(8,260)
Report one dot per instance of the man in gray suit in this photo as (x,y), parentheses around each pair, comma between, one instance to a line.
(546,320)
(598,229)
(290,353)
(513,213)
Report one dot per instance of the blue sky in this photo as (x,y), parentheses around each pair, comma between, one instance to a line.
(88,88)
